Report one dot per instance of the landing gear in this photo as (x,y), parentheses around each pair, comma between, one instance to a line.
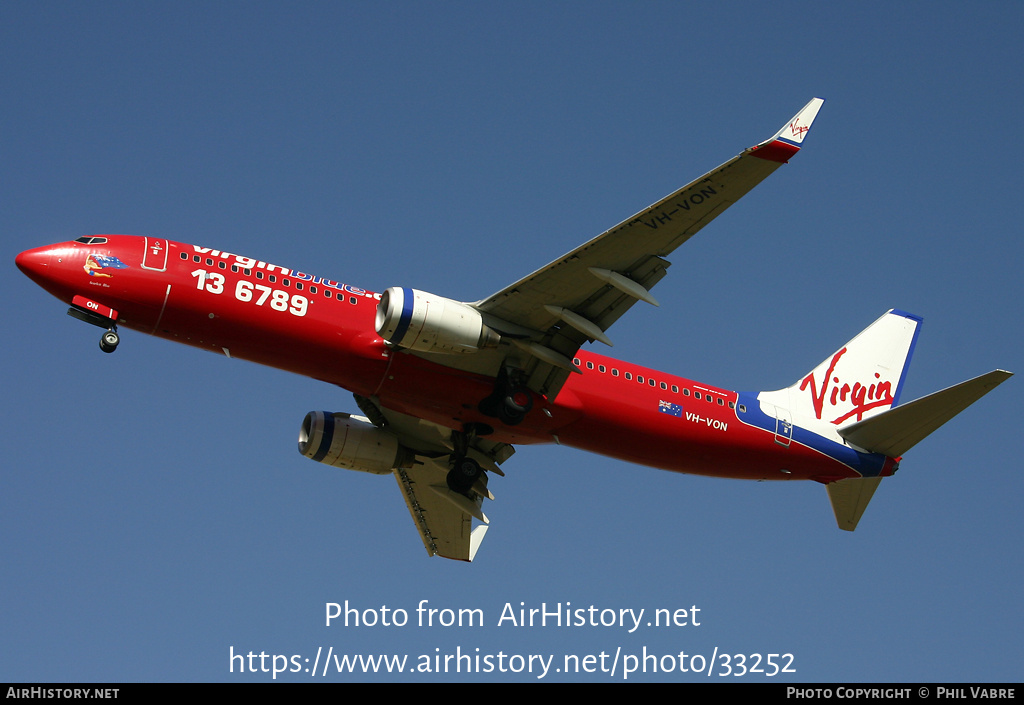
(92,313)
(514,406)
(464,470)
(511,399)
(109,341)
(463,474)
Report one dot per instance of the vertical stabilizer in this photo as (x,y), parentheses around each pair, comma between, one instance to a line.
(861,379)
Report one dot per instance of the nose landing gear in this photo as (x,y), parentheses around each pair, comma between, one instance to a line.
(109,341)
(97,315)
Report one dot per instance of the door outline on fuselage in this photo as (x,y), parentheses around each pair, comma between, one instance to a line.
(783,426)
(155,254)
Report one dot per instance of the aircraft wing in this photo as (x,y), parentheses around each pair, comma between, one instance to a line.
(544,318)
(450,524)
(552,312)
(445,528)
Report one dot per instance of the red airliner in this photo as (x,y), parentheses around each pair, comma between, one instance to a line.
(447,389)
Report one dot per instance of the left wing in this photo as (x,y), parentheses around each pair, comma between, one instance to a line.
(541,321)
(549,314)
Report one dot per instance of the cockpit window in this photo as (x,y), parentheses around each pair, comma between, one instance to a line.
(91,240)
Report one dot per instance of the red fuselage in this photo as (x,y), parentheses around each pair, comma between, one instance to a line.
(323,329)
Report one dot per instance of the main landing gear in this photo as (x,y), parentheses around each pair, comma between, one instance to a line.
(465,471)
(511,399)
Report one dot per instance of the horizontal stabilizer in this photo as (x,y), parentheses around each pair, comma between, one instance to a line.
(899,429)
(850,498)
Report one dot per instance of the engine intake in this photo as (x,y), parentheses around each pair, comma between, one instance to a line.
(417,320)
(351,442)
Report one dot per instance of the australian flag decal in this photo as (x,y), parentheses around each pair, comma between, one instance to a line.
(669,408)
(95,264)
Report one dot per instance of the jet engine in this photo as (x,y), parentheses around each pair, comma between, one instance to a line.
(417,320)
(351,442)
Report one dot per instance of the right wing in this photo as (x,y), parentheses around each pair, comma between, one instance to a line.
(445,527)
(443,518)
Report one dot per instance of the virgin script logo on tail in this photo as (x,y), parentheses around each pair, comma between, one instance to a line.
(838,394)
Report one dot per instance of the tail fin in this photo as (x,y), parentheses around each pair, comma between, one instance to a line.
(861,379)
(853,395)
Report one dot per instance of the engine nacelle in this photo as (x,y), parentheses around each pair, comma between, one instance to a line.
(417,320)
(351,442)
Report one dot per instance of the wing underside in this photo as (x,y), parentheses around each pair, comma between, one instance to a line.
(450,524)
(546,316)
(445,527)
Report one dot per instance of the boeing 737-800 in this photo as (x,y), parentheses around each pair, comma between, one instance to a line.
(447,388)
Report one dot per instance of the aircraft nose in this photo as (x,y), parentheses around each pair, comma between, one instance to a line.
(34,263)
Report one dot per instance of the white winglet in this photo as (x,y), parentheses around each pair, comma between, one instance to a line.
(475,539)
(786,142)
(796,128)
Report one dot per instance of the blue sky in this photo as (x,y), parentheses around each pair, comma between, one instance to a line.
(155,513)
